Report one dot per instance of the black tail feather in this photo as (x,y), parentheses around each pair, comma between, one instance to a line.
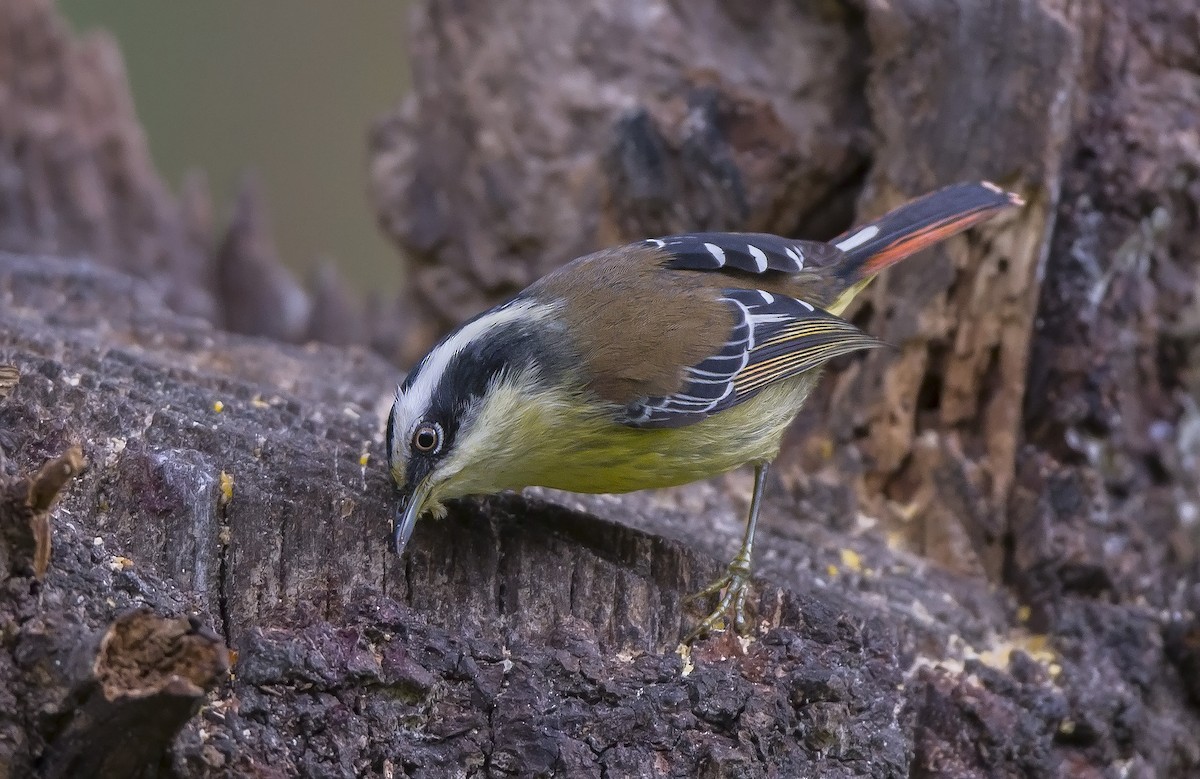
(917,225)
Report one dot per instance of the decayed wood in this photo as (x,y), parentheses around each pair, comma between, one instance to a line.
(43,492)
(939,423)
(26,523)
(147,677)
(107,701)
(517,636)
(9,376)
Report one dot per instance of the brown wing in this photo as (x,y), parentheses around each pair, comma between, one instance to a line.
(636,326)
(664,339)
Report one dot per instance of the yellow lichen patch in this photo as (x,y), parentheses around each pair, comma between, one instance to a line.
(218,406)
(118,563)
(1037,646)
(996,657)
(832,570)
(851,560)
(226,485)
(364,458)
(258,402)
(1023,614)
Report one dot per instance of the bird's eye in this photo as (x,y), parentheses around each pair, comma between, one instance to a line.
(427,437)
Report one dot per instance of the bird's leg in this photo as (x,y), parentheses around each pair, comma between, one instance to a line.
(733,584)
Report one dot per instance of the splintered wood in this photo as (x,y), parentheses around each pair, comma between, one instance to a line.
(25,506)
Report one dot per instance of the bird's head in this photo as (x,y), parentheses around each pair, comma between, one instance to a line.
(460,422)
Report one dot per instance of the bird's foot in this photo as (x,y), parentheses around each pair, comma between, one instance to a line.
(732,587)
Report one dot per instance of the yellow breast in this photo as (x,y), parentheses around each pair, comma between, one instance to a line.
(566,444)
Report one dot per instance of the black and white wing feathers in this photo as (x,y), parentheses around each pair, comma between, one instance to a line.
(774,338)
(746,252)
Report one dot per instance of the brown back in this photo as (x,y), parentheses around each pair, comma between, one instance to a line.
(638,325)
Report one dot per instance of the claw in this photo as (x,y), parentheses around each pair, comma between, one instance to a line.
(732,587)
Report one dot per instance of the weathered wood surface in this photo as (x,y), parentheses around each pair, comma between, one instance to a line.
(517,635)
(980,557)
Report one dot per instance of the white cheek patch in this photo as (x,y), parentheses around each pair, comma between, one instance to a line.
(412,404)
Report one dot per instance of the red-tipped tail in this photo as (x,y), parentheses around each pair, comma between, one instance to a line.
(918,225)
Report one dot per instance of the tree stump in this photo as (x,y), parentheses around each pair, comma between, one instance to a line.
(979,557)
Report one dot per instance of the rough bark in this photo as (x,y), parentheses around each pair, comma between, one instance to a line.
(528,144)
(518,637)
(87,694)
(997,569)
(938,424)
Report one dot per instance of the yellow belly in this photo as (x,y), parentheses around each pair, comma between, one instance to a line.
(563,445)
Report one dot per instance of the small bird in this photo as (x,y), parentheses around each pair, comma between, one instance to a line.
(654,364)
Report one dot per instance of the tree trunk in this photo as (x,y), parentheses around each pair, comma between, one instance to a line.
(980,557)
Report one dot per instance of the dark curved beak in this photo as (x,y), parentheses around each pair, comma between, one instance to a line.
(411,507)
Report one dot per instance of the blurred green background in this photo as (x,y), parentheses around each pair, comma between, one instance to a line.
(289,88)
